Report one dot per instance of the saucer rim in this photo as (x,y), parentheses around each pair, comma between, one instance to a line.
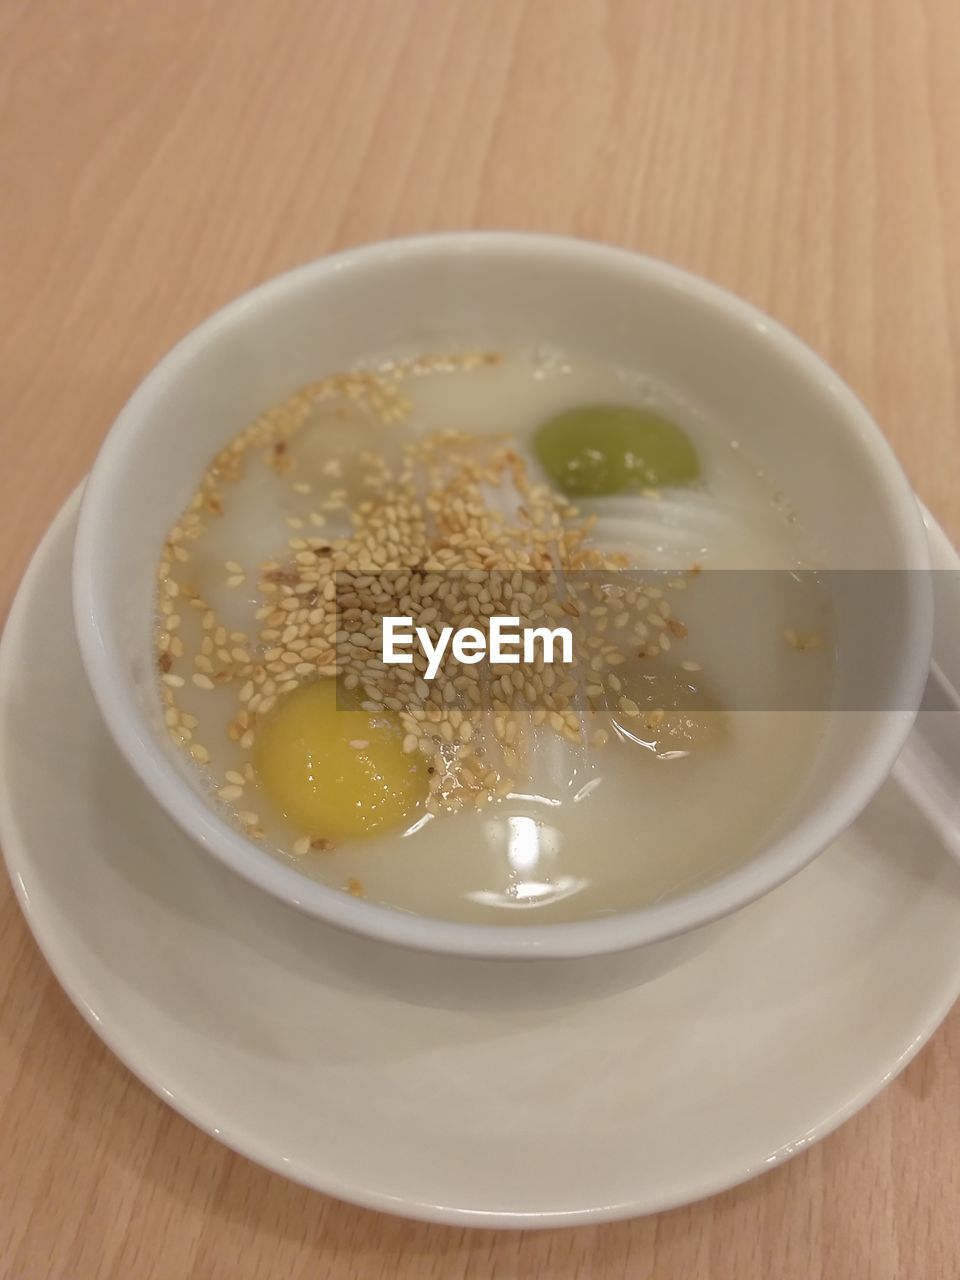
(17,859)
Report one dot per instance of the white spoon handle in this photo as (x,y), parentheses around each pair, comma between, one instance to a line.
(929,765)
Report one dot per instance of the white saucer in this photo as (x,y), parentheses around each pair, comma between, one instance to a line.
(446,1090)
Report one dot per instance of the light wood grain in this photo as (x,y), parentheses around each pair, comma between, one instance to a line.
(157,158)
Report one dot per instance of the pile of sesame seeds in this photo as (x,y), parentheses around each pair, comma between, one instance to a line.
(450,532)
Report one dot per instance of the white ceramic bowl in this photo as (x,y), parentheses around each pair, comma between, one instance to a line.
(739,367)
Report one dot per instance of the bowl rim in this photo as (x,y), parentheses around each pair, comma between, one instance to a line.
(772,865)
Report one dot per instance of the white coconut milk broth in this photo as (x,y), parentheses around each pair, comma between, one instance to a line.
(591,831)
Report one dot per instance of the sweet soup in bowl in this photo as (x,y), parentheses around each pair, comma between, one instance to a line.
(445,491)
(420,588)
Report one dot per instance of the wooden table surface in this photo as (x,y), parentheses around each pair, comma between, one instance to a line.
(158,157)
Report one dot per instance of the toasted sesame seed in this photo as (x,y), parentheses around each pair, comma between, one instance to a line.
(445,555)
